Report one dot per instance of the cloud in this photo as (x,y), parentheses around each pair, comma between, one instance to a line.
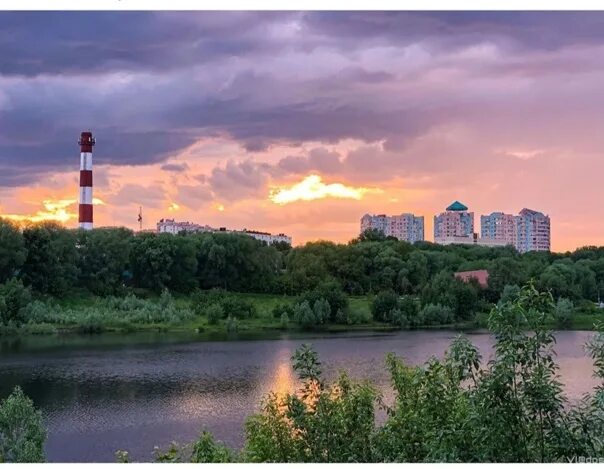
(239,179)
(175,167)
(313,188)
(62,210)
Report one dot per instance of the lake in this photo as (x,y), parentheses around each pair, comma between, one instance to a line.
(101,393)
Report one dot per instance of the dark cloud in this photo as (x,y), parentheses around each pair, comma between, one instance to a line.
(239,180)
(175,167)
(150,84)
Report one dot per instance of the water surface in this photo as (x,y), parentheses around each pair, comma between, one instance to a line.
(108,392)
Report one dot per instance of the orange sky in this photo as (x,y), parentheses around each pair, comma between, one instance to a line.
(314,205)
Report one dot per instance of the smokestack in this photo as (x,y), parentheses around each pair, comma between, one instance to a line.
(86,143)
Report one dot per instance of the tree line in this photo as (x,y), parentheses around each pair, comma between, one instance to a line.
(407,279)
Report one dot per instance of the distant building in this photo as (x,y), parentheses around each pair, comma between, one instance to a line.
(481,276)
(499,226)
(527,231)
(267,237)
(168,225)
(173,227)
(474,240)
(404,227)
(454,222)
(532,231)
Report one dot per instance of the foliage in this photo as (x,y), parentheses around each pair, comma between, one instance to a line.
(22,434)
(432,315)
(14,298)
(384,303)
(12,250)
(214,313)
(51,262)
(457,409)
(564,313)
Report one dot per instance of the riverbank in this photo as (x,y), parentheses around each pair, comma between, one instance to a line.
(72,315)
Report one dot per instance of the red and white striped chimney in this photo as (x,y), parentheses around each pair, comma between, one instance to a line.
(86,143)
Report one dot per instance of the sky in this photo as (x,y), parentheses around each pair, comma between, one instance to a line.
(301,122)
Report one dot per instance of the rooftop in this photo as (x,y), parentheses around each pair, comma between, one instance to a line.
(456,207)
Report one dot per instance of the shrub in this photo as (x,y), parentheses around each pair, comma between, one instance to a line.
(283,308)
(383,304)
(304,315)
(322,311)
(214,313)
(564,313)
(284,321)
(232,325)
(22,434)
(330,292)
(399,319)
(14,298)
(206,450)
(432,315)
(238,307)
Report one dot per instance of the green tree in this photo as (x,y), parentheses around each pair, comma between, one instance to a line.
(51,262)
(22,434)
(103,257)
(564,313)
(14,298)
(12,250)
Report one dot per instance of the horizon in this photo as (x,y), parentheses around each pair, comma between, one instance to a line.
(302,122)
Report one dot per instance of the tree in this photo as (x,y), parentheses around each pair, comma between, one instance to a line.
(22,434)
(12,250)
(14,298)
(103,258)
(319,423)
(50,265)
(384,303)
(564,313)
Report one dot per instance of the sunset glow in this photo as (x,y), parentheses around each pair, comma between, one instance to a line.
(61,211)
(313,188)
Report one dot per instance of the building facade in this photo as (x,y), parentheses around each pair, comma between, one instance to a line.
(404,227)
(527,231)
(533,231)
(169,225)
(454,222)
(499,226)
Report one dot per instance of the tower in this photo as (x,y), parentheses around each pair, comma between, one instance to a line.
(86,143)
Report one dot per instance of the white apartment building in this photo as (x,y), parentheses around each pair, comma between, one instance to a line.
(171,226)
(527,231)
(404,227)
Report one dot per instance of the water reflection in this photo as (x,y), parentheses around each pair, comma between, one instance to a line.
(101,393)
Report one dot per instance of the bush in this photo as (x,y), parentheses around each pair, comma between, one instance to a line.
(399,319)
(232,325)
(22,434)
(564,313)
(304,315)
(14,298)
(433,315)
(330,292)
(214,313)
(238,307)
(284,321)
(206,450)
(322,311)
(383,304)
(281,309)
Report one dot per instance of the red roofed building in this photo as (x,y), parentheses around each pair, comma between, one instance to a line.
(481,276)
